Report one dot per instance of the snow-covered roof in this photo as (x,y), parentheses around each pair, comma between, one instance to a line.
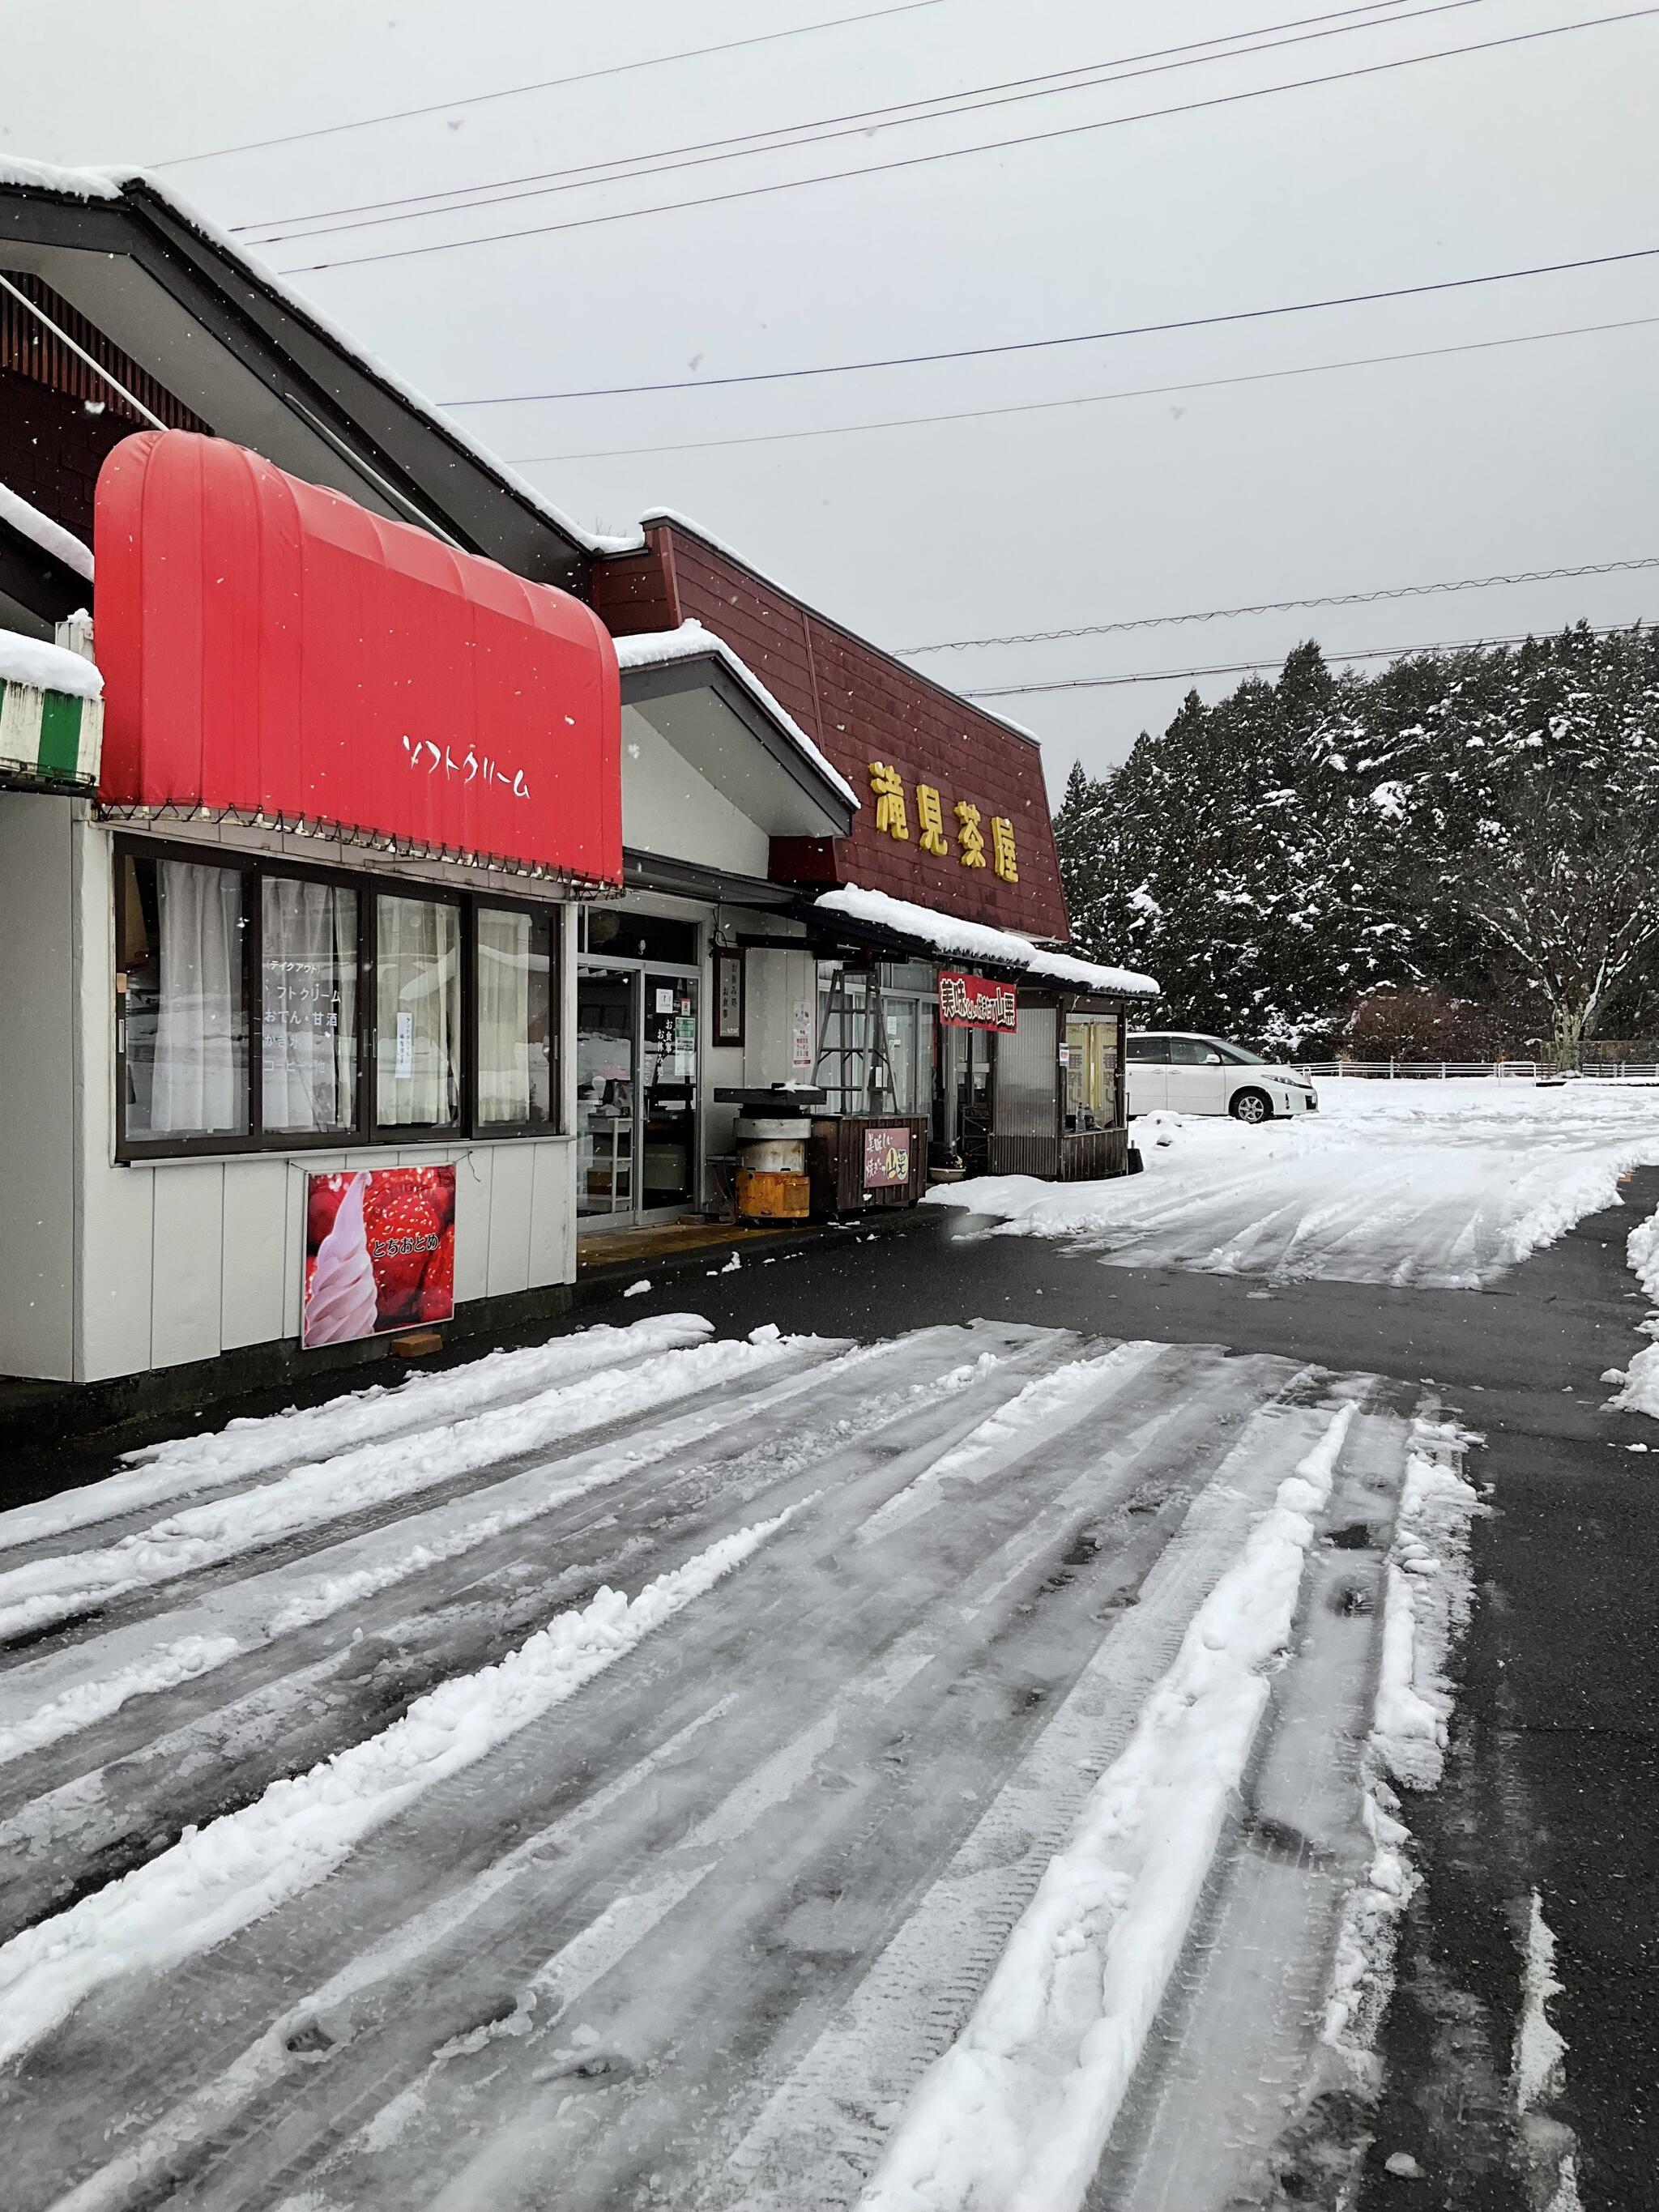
(47,667)
(977,940)
(40,530)
(661,648)
(676,521)
(112,184)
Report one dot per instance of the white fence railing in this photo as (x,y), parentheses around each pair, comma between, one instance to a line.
(1527,1070)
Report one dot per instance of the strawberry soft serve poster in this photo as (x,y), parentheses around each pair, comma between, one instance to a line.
(379,1251)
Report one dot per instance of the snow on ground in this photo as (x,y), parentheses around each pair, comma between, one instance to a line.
(1640,1393)
(763,1775)
(1441,1185)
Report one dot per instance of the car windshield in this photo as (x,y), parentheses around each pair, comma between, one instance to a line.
(1237,1052)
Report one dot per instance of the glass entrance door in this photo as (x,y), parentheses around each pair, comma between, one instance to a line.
(669,1156)
(607,1023)
(637,1093)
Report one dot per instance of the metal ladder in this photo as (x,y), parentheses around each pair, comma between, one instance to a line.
(876,1082)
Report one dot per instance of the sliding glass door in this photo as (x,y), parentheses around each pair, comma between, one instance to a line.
(637,1093)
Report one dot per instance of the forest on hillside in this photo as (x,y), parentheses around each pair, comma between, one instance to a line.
(1457,855)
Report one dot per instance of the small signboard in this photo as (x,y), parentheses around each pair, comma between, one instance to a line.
(971,1002)
(380,1252)
(886,1157)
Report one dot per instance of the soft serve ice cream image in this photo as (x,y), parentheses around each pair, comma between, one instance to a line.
(341,1302)
(380,1251)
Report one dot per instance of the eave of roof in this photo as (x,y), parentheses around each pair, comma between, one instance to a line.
(244,282)
(691,642)
(877,917)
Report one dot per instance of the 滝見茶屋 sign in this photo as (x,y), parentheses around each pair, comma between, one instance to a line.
(972,1002)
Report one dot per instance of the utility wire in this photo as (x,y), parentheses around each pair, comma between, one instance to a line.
(462,199)
(960,152)
(543,84)
(1284,606)
(1080,338)
(1083,399)
(1341,656)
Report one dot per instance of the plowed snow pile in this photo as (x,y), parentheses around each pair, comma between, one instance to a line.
(1441,1185)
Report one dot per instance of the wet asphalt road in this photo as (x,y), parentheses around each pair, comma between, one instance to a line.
(1553,1782)
(1553,1777)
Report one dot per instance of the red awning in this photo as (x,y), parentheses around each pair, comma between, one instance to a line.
(272,649)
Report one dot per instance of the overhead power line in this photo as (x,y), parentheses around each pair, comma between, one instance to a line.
(1079,337)
(1085,399)
(1286,606)
(542,84)
(961,153)
(420,207)
(1341,656)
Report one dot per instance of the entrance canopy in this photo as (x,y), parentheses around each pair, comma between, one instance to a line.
(713,768)
(274,652)
(918,933)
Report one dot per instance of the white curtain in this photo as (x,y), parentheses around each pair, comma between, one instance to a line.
(309,1030)
(200,1035)
(504,1053)
(419,1010)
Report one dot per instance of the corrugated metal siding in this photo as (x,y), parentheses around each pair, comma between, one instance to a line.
(1026,1096)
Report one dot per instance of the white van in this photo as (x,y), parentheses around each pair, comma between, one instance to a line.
(1193,1074)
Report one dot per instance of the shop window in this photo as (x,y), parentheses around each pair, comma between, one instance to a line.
(309,957)
(1091,1099)
(417,1014)
(247,1019)
(515,1019)
(626,935)
(185,1058)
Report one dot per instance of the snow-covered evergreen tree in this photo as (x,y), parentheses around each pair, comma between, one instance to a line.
(1485,822)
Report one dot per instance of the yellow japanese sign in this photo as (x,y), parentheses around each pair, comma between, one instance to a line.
(893,820)
(889,787)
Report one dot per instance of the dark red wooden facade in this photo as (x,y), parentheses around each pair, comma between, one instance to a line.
(860,705)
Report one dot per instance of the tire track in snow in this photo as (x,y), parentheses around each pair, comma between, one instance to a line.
(296,1697)
(215,1881)
(831,2114)
(537,1775)
(396,1878)
(789,1848)
(1043,2065)
(834,1783)
(275,1444)
(373,1478)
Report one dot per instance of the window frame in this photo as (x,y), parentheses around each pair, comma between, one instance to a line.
(487,1131)
(366,1132)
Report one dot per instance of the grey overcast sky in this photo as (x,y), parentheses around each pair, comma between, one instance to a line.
(1463,464)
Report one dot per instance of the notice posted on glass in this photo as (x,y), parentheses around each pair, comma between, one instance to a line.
(380,1252)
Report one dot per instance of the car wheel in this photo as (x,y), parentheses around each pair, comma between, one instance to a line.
(1254,1107)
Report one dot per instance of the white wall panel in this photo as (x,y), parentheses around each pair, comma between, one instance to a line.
(473,1178)
(254,1239)
(186,1294)
(552,1214)
(37,1087)
(511,1175)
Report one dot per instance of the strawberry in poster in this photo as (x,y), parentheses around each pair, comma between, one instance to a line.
(379,1251)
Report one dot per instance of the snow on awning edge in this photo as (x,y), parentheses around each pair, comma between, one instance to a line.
(662,649)
(949,935)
